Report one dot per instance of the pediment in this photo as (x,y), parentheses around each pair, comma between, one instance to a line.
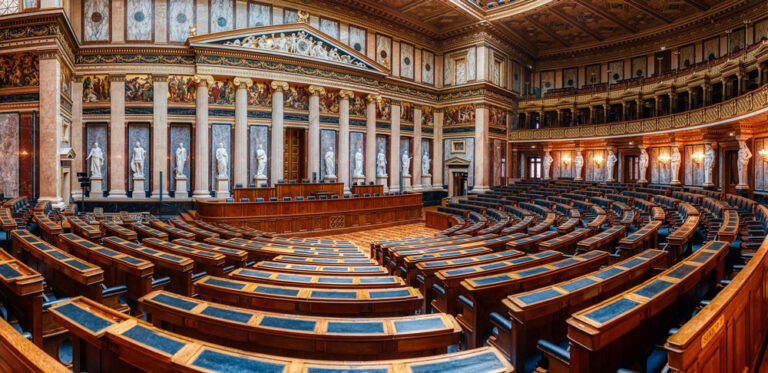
(297,40)
(457,161)
(66,153)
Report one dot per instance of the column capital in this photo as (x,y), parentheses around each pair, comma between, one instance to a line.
(48,54)
(346,94)
(279,86)
(77,79)
(482,105)
(117,78)
(204,78)
(242,82)
(373,98)
(159,78)
(395,103)
(316,90)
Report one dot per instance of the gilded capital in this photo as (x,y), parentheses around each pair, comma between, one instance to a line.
(373,98)
(242,82)
(346,94)
(207,79)
(77,79)
(396,103)
(278,86)
(316,90)
(159,78)
(117,78)
(48,54)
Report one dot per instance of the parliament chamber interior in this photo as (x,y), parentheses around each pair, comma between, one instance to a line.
(349,186)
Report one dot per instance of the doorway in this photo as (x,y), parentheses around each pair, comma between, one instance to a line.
(730,170)
(458,183)
(294,154)
(631,169)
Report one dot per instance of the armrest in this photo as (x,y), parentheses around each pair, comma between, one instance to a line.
(551,349)
(420,279)
(438,289)
(250,264)
(228,269)
(501,322)
(402,270)
(48,304)
(160,282)
(197,276)
(114,291)
(467,302)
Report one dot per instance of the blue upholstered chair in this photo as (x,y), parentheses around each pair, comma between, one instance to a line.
(366,194)
(292,181)
(252,185)
(238,185)
(273,199)
(311,198)
(281,181)
(346,196)
(299,198)
(355,195)
(386,193)
(323,197)
(264,185)
(376,194)
(244,200)
(370,183)
(305,181)
(334,196)
(230,200)
(259,199)
(286,198)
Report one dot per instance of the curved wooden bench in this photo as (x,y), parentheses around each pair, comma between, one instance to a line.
(388,251)
(200,234)
(109,228)
(209,261)
(145,231)
(83,229)
(543,225)
(222,232)
(21,288)
(233,257)
(259,252)
(565,243)
(646,237)
(519,227)
(528,244)
(347,262)
(605,240)
(7,222)
(50,229)
(319,269)
(316,281)
(170,230)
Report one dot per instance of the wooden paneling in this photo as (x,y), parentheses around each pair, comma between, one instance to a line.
(660,172)
(694,172)
(562,169)
(761,166)
(593,171)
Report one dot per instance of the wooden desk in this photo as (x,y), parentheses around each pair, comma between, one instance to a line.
(22,291)
(370,189)
(288,190)
(7,223)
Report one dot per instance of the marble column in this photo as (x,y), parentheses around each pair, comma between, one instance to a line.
(370,138)
(313,137)
(50,125)
(437,153)
(160,136)
(117,150)
(202,155)
(276,146)
(240,150)
(481,149)
(343,169)
(394,148)
(416,150)
(77,134)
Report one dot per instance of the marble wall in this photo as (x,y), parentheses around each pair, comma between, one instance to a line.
(426,148)
(761,166)
(258,136)
(694,172)
(562,166)
(660,172)
(9,154)
(139,132)
(356,143)
(259,15)
(220,134)
(222,15)
(180,134)
(181,15)
(97,132)
(468,154)
(593,171)
(357,38)
(327,141)
(96,20)
(139,15)
(498,160)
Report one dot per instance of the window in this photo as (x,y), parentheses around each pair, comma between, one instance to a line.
(534,168)
(9,6)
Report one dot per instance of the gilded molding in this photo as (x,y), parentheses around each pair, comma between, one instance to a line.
(119,78)
(159,78)
(133,58)
(372,98)
(48,54)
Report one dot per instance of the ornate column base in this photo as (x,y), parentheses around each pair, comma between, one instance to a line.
(578,179)
(222,187)
(117,194)
(181,187)
(138,187)
(407,182)
(260,181)
(96,187)
(642,181)
(426,181)
(382,180)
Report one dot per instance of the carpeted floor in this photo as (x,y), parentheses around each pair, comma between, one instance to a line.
(363,238)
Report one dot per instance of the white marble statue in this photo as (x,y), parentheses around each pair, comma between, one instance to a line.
(610,163)
(579,163)
(222,162)
(547,164)
(743,162)
(675,163)
(137,160)
(406,163)
(181,159)
(358,163)
(709,163)
(425,163)
(261,162)
(643,163)
(330,163)
(97,160)
(381,164)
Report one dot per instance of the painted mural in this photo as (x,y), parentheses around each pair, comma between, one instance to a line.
(406,60)
(497,117)
(259,15)
(329,102)
(297,98)
(462,114)
(517,76)
(139,18)
(260,94)
(181,89)
(66,82)
(222,15)
(222,92)
(139,88)
(384,109)
(96,88)
(180,18)
(9,154)
(427,116)
(406,112)
(19,70)
(427,67)
(357,106)
(96,20)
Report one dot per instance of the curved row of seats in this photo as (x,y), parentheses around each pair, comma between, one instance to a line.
(312,198)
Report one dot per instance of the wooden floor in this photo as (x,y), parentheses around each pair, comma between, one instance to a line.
(363,238)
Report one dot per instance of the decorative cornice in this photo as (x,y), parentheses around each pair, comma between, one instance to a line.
(316,90)
(48,54)
(278,86)
(159,78)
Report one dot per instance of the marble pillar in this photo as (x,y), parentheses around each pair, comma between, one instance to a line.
(416,153)
(313,136)
(394,148)
(116,159)
(240,151)
(278,132)
(343,170)
(481,143)
(50,125)
(370,138)
(77,134)
(201,189)
(437,152)
(160,136)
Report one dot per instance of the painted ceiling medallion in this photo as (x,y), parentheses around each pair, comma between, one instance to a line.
(299,43)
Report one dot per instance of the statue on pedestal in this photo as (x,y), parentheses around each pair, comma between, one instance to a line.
(97,160)
(181,159)
(330,163)
(137,161)
(709,163)
(547,164)
(222,162)
(406,162)
(381,164)
(261,162)
(610,163)
(643,164)
(425,163)
(675,164)
(358,163)
(744,155)
(579,163)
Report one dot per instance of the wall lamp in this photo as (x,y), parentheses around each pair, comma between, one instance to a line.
(664,158)
(697,157)
(598,159)
(763,154)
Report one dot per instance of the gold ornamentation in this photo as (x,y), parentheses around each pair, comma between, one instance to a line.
(193,30)
(204,78)
(345,93)
(302,16)
(242,82)
(316,90)
(336,221)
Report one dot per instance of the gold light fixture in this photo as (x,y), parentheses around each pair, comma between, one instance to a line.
(697,157)
(763,154)
(664,158)
(598,159)
(566,159)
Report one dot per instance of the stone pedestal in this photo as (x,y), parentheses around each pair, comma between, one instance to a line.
(709,185)
(742,187)
(610,180)
(675,182)
(330,179)
(407,182)
(138,187)
(578,179)
(96,187)
(642,181)
(260,179)
(382,180)
(222,187)
(426,181)
(181,187)
(360,180)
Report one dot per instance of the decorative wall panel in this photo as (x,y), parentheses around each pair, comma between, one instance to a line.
(357,37)
(259,14)
(357,106)
(356,144)
(96,88)
(258,139)
(222,15)
(96,20)
(517,77)
(330,27)
(297,98)
(462,114)
(427,116)
(260,94)
(221,134)
(616,71)
(406,60)
(694,171)
(594,171)
(19,70)
(661,171)
(139,132)
(427,67)
(222,92)
(384,109)
(571,77)
(547,81)
(139,17)
(639,68)
(761,166)
(329,102)
(712,48)
(180,134)
(97,133)
(181,89)
(384,50)
(181,15)
(687,56)
(562,167)
(406,112)
(139,88)
(9,154)
(328,143)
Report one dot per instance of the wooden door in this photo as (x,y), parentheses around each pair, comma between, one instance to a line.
(730,170)
(631,169)
(293,155)
(459,183)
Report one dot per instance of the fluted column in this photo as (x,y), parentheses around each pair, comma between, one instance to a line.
(437,153)
(77,134)
(117,149)
(160,135)
(313,137)
(50,126)
(202,154)
(370,138)
(343,170)
(481,149)
(394,154)
(416,172)
(240,150)
(278,132)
